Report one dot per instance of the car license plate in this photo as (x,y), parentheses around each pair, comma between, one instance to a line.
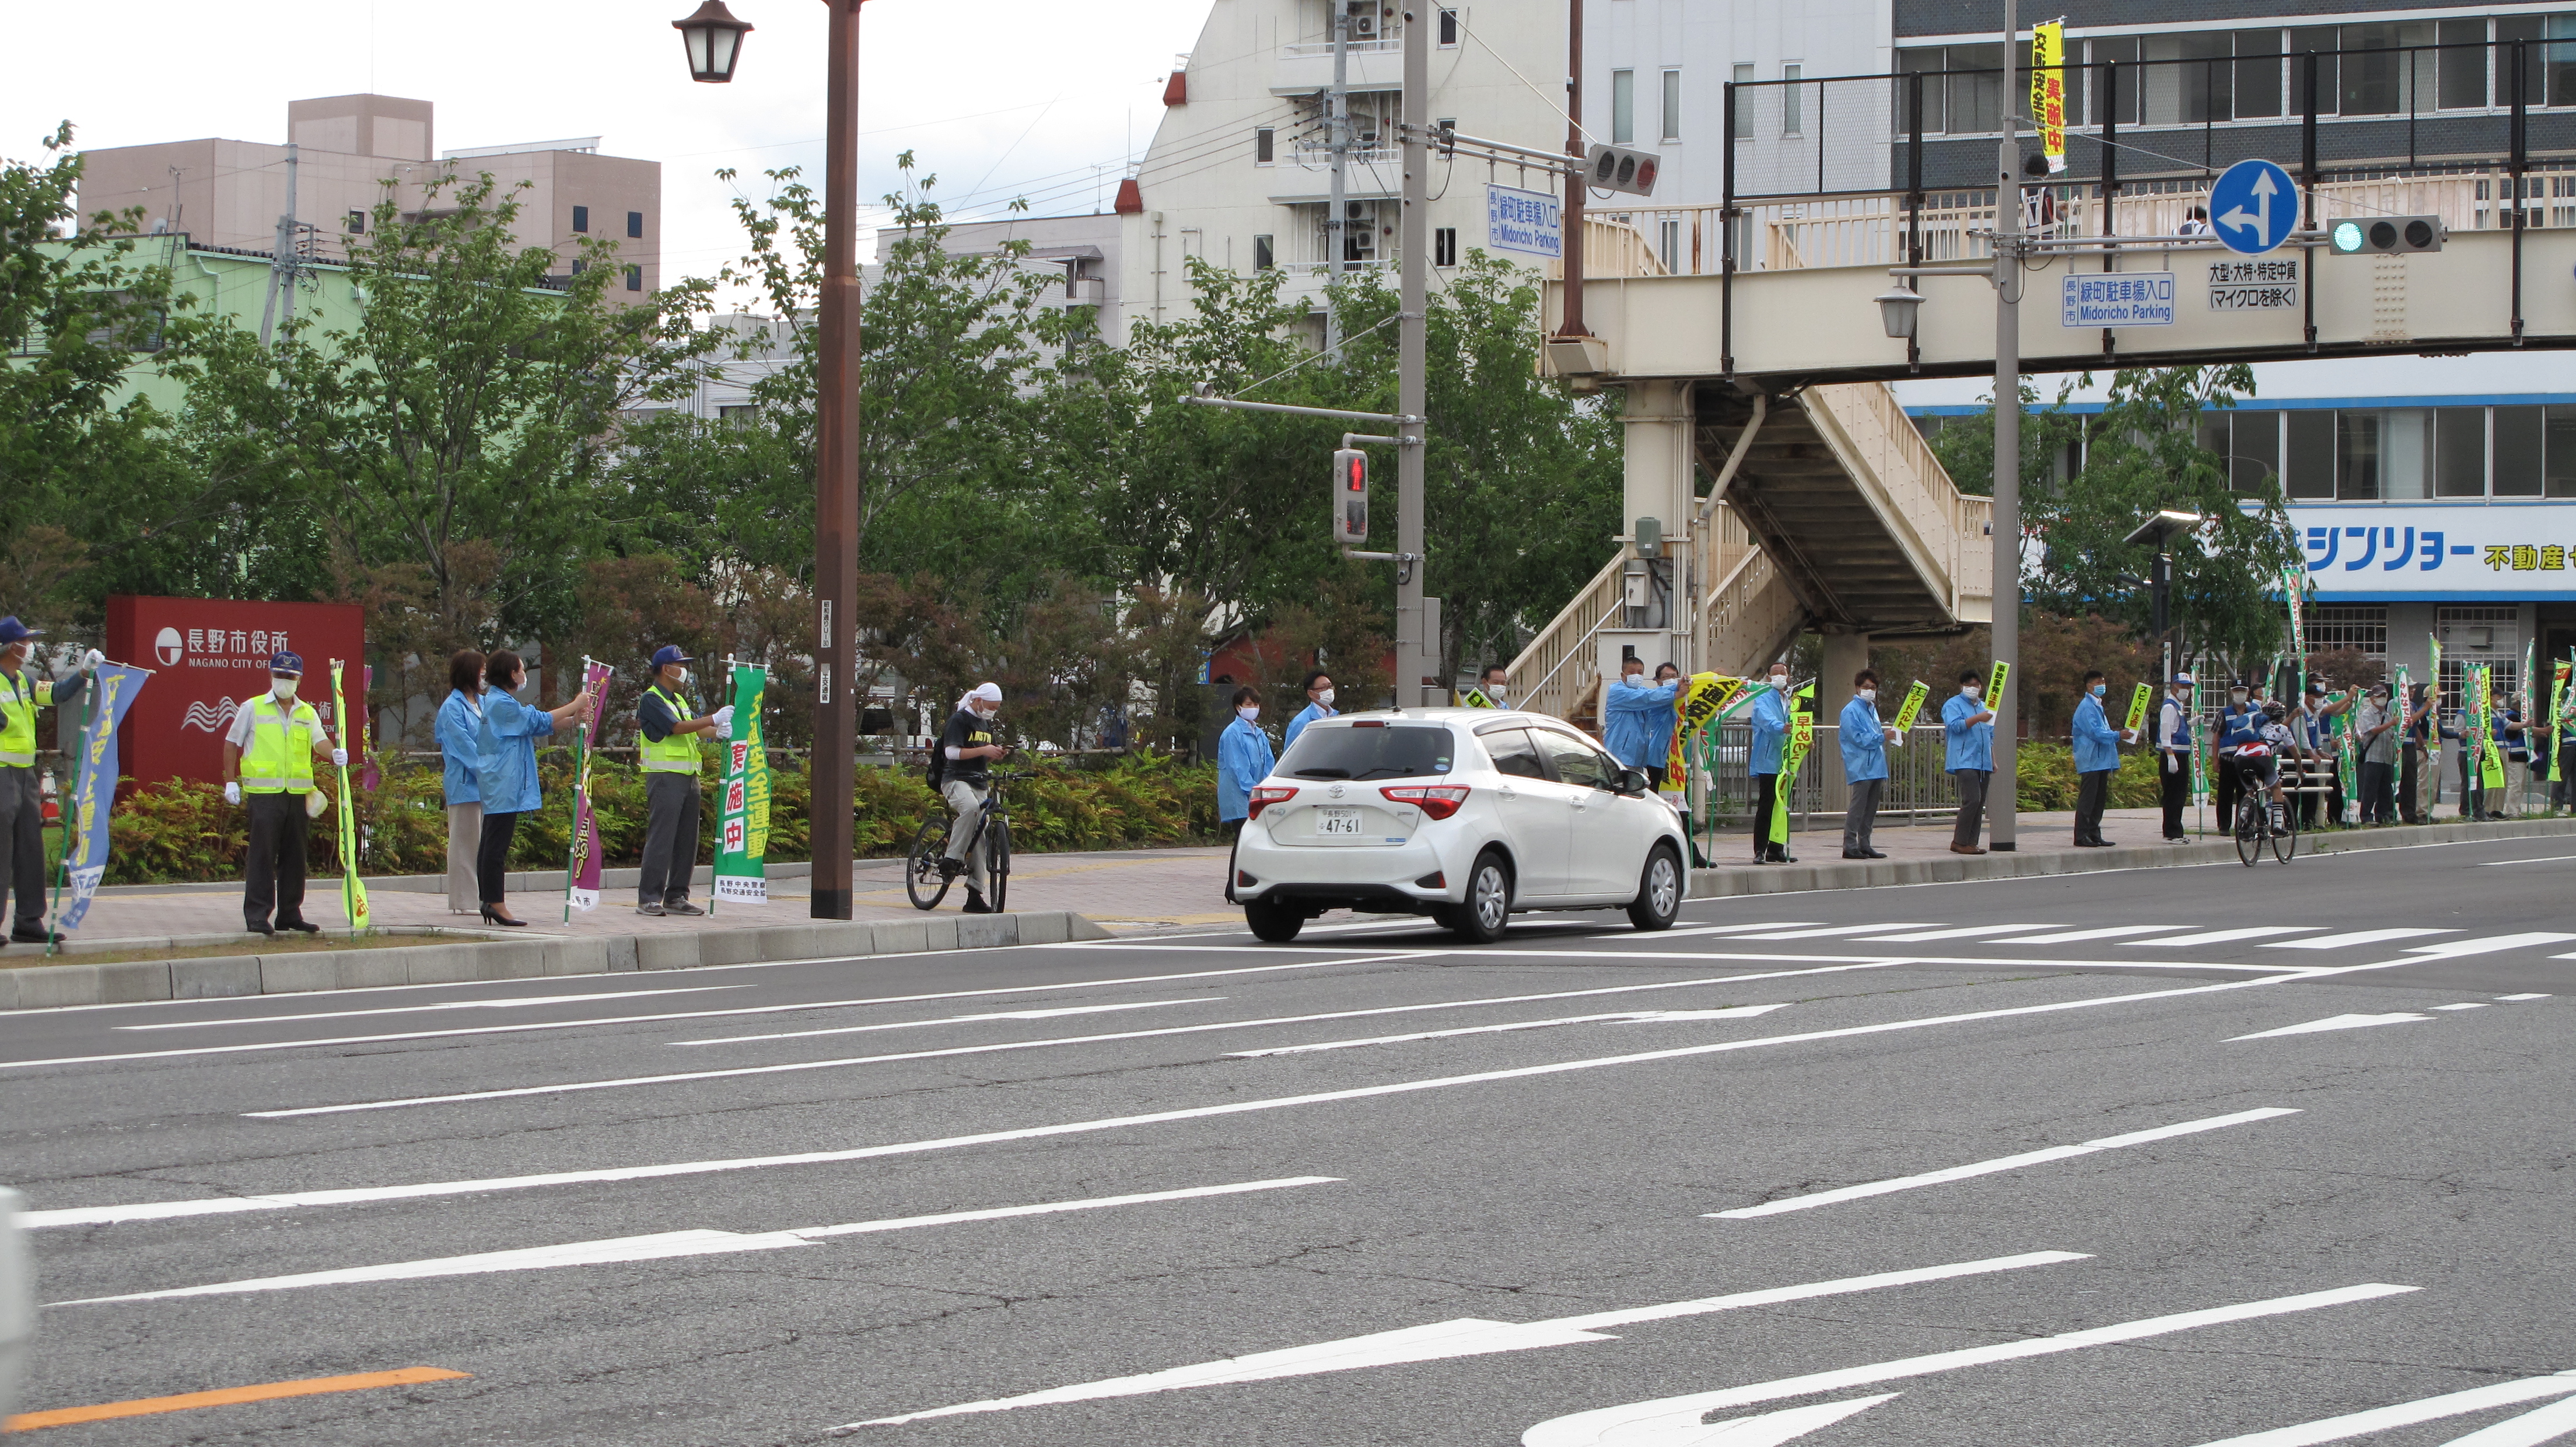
(1337,823)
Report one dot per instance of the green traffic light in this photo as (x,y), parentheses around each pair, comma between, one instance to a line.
(2347,237)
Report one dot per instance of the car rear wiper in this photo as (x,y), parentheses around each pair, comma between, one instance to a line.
(1386,771)
(1327,772)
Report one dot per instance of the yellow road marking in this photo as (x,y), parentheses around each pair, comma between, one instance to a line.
(266,1391)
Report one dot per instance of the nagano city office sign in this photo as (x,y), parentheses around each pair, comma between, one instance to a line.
(2472,552)
(209,656)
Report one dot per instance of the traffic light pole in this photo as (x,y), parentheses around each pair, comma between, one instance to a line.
(1417,658)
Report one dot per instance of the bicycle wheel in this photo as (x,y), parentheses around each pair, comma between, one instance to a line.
(921,877)
(2285,844)
(2250,828)
(997,862)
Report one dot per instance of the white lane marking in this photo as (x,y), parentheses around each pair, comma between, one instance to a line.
(2104,932)
(2222,936)
(1831,930)
(2000,1163)
(2335,1022)
(1635,1424)
(1732,929)
(2491,944)
(2471,1005)
(2543,859)
(995,1047)
(1961,933)
(1055,1013)
(2356,938)
(502,1004)
(1465,1337)
(1630,1017)
(679,1015)
(2523,997)
(665,1245)
(2407,1414)
(1771,1428)
(2548,1424)
(166,1210)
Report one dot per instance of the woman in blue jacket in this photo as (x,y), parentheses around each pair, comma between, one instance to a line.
(506,770)
(460,723)
(1243,758)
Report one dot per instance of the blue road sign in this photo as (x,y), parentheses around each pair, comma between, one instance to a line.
(2254,207)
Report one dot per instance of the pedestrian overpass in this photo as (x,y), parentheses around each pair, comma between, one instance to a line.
(1754,356)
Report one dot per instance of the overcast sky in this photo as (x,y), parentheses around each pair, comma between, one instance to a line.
(998,98)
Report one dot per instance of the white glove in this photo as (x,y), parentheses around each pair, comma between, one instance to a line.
(724,721)
(2173,764)
(232,793)
(340,758)
(91,660)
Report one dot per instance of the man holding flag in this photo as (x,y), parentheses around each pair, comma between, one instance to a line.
(22,805)
(671,773)
(269,755)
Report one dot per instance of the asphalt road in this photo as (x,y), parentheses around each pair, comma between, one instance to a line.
(1587,1188)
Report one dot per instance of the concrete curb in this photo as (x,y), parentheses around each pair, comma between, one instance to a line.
(1747,879)
(39,987)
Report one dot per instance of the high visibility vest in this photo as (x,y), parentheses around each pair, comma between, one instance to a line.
(20,697)
(280,757)
(675,752)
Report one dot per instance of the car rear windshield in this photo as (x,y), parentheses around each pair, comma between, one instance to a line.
(1370,751)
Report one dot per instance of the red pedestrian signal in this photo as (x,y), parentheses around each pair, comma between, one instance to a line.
(1350,497)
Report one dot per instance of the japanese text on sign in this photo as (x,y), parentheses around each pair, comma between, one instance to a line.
(2241,286)
(1531,222)
(2119,299)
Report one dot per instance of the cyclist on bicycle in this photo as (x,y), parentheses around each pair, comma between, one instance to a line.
(2259,762)
(966,750)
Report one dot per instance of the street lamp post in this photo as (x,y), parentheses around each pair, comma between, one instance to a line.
(714,40)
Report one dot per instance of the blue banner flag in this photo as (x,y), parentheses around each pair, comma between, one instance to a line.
(112,692)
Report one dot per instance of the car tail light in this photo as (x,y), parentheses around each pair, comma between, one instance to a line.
(1266,795)
(1437,800)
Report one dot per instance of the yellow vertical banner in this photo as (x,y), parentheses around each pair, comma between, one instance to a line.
(2138,702)
(2048,90)
(1995,684)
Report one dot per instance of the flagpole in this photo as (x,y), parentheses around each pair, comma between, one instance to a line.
(580,787)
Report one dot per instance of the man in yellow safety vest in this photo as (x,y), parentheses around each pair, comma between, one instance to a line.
(269,753)
(671,775)
(22,804)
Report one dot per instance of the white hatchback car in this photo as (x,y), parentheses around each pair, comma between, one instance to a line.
(1463,814)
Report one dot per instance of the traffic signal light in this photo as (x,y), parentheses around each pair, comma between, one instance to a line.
(2387,235)
(1350,497)
(1616,168)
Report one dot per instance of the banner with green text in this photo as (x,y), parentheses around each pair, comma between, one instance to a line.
(742,817)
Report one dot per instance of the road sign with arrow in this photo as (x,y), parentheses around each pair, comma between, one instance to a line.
(2254,207)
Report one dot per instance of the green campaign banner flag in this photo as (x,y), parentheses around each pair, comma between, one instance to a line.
(2138,701)
(1907,711)
(1802,737)
(742,818)
(2490,748)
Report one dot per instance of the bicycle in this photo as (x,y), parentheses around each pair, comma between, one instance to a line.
(927,886)
(2274,820)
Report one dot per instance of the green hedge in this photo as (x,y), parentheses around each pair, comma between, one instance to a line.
(181,831)
(2045,775)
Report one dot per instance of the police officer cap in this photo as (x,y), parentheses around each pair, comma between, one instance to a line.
(2182,678)
(669,653)
(11,631)
(290,664)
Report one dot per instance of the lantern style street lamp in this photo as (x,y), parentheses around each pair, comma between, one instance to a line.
(714,40)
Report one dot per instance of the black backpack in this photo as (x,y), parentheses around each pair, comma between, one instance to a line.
(936,771)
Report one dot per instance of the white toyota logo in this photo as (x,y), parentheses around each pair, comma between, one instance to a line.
(168,645)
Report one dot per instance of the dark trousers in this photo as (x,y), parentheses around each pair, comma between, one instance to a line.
(1655,776)
(2561,791)
(22,843)
(2092,795)
(2378,793)
(670,838)
(1972,804)
(2173,782)
(492,855)
(275,878)
(2410,783)
(2231,787)
(2473,789)
(1766,797)
(1862,816)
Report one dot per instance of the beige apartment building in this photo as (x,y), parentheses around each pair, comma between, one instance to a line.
(345,150)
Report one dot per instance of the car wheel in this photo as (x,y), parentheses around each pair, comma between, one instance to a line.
(1659,891)
(1275,922)
(1488,908)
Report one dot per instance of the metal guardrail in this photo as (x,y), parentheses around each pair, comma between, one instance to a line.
(1918,784)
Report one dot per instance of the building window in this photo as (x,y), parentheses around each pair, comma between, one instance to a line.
(2520,442)
(1263,153)
(357,223)
(2487,635)
(2356,457)
(1672,105)
(2461,74)
(579,267)
(2560,473)
(581,218)
(1451,23)
(1444,246)
(635,224)
(2460,453)
(2257,81)
(1792,117)
(2308,460)
(1623,107)
(2362,626)
(634,278)
(2253,451)
(1741,102)
(1265,254)
(1668,245)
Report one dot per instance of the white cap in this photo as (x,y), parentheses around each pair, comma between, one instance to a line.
(989,692)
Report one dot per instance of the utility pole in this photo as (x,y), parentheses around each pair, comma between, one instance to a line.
(836,479)
(1337,135)
(2001,823)
(282,262)
(1413,667)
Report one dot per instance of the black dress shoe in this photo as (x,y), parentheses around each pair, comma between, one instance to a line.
(25,936)
(490,917)
(1784,858)
(1855,854)
(1871,854)
(261,929)
(302,927)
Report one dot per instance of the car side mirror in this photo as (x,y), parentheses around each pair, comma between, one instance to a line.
(1635,783)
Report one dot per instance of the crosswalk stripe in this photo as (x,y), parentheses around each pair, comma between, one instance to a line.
(2528,1430)
(2407,1414)
(2489,944)
(2355,938)
(1831,930)
(1962,933)
(2105,932)
(2223,936)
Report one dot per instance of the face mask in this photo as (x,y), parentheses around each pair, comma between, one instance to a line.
(2238,696)
(1495,691)
(2100,689)
(1971,690)
(1248,712)
(1325,698)
(682,681)
(1780,681)
(284,688)
(1870,694)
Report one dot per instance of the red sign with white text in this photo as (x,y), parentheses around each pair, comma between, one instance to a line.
(209,656)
